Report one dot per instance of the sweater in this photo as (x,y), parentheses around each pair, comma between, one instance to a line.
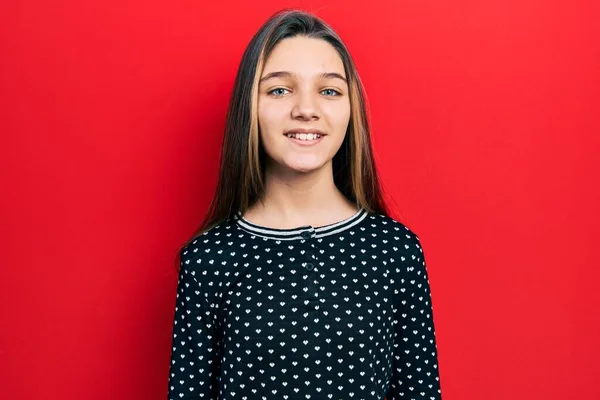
(341,311)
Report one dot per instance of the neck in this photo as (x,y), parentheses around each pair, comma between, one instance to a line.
(293,198)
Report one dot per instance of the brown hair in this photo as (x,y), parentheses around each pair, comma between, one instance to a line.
(241,172)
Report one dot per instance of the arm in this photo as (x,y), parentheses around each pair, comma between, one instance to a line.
(194,353)
(415,373)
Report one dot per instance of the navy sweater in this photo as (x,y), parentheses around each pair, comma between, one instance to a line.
(341,311)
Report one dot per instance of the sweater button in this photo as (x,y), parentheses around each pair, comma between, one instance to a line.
(310,266)
(305,235)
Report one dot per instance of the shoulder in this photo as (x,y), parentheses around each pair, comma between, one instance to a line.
(402,244)
(210,246)
(406,253)
(394,231)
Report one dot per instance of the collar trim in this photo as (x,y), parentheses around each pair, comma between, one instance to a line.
(301,231)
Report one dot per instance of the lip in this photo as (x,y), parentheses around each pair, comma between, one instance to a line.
(305,143)
(301,142)
(305,130)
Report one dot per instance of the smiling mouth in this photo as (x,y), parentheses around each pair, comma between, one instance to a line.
(307,137)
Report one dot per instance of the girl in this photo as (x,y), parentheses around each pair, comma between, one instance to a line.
(298,284)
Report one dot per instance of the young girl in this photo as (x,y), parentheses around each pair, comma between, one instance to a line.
(298,284)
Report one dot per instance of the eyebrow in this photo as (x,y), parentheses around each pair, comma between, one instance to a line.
(287,74)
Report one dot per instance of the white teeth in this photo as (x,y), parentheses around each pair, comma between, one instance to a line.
(304,136)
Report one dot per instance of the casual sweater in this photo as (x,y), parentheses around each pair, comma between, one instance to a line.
(341,311)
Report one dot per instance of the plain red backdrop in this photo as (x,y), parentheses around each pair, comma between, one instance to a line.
(486,129)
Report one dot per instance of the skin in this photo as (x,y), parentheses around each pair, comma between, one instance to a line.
(300,189)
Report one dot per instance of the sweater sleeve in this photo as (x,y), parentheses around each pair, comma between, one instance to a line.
(415,373)
(194,352)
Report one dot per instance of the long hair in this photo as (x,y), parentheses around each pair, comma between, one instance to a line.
(242,164)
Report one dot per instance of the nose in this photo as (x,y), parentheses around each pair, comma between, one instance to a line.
(306,106)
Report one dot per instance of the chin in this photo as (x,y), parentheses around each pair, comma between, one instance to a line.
(304,167)
(299,164)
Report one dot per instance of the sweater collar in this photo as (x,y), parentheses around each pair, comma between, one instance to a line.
(301,232)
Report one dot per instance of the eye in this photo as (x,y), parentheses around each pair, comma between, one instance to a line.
(332,90)
(329,92)
(273,90)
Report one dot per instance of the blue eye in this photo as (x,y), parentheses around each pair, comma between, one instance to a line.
(271,91)
(332,90)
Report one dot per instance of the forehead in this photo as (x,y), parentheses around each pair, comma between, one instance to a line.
(304,56)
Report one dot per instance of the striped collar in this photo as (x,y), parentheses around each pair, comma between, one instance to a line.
(301,232)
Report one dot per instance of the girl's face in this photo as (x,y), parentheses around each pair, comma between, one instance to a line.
(303,88)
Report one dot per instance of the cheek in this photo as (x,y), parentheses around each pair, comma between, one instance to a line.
(269,115)
(270,123)
(337,112)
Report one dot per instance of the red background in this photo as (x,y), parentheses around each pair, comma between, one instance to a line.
(486,123)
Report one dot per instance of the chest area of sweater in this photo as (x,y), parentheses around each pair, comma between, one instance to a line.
(328,293)
(355,271)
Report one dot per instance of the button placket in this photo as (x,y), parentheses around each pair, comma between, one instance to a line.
(309,264)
